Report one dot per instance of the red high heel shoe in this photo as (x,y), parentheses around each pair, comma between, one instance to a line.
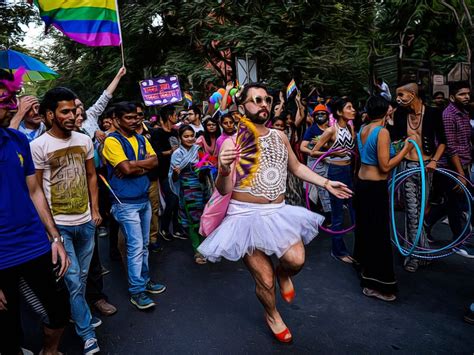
(288,296)
(282,337)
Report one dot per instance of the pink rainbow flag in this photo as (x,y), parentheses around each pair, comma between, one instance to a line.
(90,22)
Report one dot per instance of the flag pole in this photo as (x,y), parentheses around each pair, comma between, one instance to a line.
(120,33)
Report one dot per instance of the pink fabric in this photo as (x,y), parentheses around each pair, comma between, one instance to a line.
(211,150)
(220,141)
(216,208)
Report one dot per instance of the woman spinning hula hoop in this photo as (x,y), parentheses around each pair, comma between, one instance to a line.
(372,248)
(341,139)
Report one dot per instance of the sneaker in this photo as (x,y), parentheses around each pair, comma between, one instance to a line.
(179,235)
(155,288)
(155,247)
(165,235)
(102,232)
(142,301)
(465,252)
(91,346)
(96,322)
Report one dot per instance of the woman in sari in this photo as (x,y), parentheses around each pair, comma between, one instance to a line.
(185,182)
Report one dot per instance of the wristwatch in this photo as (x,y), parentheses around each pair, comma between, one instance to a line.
(57,239)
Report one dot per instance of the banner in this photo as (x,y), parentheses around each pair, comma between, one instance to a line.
(163,90)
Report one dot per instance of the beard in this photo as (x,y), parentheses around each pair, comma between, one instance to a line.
(260,117)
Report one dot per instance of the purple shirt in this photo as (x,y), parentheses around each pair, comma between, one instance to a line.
(458,135)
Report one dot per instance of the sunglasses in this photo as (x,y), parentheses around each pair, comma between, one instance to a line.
(259,100)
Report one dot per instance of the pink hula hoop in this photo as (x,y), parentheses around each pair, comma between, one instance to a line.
(327,230)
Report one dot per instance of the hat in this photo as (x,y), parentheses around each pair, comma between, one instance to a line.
(320,107)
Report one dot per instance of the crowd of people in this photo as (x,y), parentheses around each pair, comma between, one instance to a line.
(77,174)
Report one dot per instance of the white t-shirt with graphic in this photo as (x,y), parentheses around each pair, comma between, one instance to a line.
(63,162)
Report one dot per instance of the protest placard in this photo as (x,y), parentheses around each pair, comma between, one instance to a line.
(163,90)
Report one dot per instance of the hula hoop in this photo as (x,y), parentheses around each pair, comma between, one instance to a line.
(413,249)
(327,230)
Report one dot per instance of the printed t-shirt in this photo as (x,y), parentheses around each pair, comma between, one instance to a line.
(63,162)
(114,153)
(22,235)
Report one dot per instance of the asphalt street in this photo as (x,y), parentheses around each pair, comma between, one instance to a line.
(212,309)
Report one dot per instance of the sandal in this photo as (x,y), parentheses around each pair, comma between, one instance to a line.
(199,259)
(284,336)
(372,293)
(289,295)
(347,259)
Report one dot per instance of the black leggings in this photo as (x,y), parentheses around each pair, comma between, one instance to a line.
(40,278)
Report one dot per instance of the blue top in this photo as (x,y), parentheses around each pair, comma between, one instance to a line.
(312,132)
(22,235)
(133,188)
(368,150)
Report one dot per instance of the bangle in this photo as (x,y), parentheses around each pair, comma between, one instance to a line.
(435,160)
(326,183)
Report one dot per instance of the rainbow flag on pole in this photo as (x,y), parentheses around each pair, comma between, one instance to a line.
(90,22)
(188,98)
(291,87)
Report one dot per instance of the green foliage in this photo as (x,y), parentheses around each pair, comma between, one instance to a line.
(12,16)
(326,44)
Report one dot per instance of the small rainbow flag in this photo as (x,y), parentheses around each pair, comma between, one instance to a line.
(106,183)
(90,22)
(188,98)
(291,87)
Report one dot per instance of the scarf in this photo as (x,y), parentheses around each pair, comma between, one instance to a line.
(181,158)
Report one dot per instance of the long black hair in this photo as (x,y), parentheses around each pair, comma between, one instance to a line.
(207,135)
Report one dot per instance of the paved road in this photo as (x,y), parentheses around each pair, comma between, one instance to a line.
(211,309)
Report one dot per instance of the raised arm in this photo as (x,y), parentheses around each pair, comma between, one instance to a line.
(227,156)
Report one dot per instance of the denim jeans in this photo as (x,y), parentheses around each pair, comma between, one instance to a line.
(134,221)
(79,245)
(342,173)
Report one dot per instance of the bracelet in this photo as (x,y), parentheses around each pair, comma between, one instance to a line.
(326,183)
(435,160)
(57,239)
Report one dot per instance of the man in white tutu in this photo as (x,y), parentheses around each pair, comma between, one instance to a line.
(258,223)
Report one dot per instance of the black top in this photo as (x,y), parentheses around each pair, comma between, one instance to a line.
(432,130)
(161,142)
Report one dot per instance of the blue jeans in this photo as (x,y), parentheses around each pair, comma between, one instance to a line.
(79,245)
(343,174)
(134,221)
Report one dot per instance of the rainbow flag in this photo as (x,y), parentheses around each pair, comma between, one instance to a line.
(188,98)
(291,87)
(90,22)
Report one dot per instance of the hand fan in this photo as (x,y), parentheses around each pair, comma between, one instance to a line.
(247,141)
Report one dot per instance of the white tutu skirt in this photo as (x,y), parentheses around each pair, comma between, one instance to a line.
(271,228)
